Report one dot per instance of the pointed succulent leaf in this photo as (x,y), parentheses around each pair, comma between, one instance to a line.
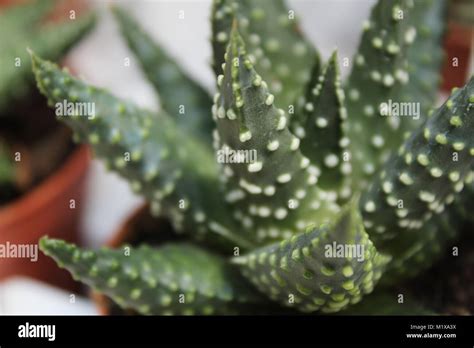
(277,47)
(21,28)
(424,59)
(174,171)
(379,67)
(323,269)
(271,184)
(179,279)
(319,126)
(426,174)
(180,96)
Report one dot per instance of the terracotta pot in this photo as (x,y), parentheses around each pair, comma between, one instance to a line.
(45,211)
(134,230)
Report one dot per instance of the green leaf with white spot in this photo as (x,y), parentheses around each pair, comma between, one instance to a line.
(180,96)
(277,47)
(319,125)
(174,171)
(379,67)
(326,268)
(272,186)
(21,28)
(424,60)
(179,279)
(425,176)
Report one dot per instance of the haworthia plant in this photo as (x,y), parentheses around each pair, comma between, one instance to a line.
(23,26)
(311,198)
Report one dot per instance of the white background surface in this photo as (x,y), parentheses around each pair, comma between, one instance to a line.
(99,58)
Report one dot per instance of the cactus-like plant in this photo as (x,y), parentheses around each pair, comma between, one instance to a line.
(338,197)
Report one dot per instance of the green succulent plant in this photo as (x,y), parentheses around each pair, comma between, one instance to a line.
(339,200)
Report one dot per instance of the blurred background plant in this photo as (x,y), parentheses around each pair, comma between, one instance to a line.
(28,127)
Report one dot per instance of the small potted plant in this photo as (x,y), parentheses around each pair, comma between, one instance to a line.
(41,170)
(349,192)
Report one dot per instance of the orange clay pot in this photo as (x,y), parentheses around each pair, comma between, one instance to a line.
(45,211)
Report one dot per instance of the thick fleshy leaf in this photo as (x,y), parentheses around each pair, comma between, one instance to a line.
(379,68)
(319,125)
(277,48)
(324,269)
(272,185)
(426,174)
(424,60)
(20,29)
(180,96)
(179,279)
(173,170)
